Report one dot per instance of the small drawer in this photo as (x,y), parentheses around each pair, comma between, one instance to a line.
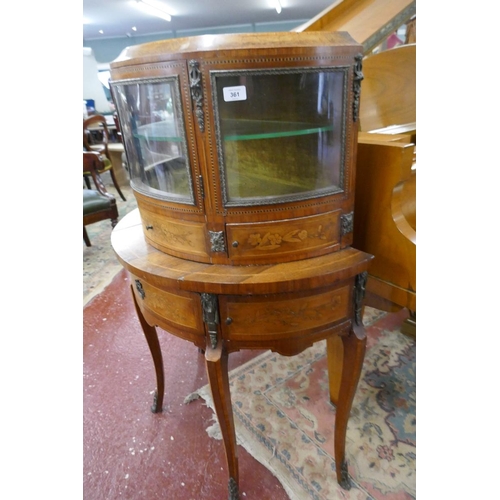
(289,239)
(185,239)
(283,315)
(180,310)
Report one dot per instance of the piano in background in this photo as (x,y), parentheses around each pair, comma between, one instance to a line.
(385,206)
(369,22)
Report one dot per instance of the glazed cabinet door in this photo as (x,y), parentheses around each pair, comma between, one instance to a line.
(277,133)
(156,137)
(280,155)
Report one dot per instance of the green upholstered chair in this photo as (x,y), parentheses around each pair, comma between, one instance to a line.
(93,127)
(98,204)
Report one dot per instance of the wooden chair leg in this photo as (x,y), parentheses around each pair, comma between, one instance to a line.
(113,178)
(87,181)
(86,237)
(154,346)
(353,355)
(216,362)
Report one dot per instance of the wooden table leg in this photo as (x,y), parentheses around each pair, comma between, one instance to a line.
(335,356)
(353,355)
(154,346)
(217,370)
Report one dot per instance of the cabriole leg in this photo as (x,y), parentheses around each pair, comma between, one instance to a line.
(354,346)
(216,363)
(335,355)
(154,346)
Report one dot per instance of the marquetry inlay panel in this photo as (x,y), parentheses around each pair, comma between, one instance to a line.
(175,235)
(250,242)
(271,317)
(180,309)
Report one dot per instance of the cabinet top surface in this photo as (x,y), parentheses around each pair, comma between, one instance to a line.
(212,45)
(141,259)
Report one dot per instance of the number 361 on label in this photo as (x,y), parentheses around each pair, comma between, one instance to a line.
(235,93)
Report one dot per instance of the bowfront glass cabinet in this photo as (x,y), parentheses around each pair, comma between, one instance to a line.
(241,147)
(241,152)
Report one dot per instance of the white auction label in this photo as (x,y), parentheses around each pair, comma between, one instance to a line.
(235,93)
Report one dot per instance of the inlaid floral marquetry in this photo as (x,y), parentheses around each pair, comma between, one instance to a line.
(271,241)
(178,308)
(181,238)
(307,233)
(275,317)
(175,235)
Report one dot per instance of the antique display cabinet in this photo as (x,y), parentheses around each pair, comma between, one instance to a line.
(241,152)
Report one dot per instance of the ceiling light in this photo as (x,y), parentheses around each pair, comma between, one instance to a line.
(154,8)
(277,5)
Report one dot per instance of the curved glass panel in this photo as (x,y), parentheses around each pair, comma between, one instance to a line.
(154,139)
(279,133)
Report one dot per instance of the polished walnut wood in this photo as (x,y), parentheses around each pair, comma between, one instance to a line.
(365,137)
(388,98)
(284,307)
(369,22)
(242,236)
(385,223)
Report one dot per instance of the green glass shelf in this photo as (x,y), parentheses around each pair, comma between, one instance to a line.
(246,130)
(235,130)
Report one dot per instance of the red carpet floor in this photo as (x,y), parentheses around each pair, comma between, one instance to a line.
(131,453)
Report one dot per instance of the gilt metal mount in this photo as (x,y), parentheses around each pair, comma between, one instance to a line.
(358,76)
(359,295)
(233,490)
(210,316)
(346,223)
(155,408)
(345,482)
(217,241)
(197,92)
(141,291)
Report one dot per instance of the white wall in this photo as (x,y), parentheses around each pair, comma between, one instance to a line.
(92,87)
(108,49)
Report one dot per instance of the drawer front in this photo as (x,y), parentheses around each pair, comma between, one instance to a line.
(180,309)
(181,238)
(274,316)
(284,240)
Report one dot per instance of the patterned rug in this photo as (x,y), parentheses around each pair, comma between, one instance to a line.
(100,264)
(284,419)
